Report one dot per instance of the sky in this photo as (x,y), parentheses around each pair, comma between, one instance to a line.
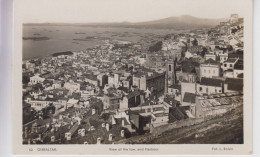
(87,11)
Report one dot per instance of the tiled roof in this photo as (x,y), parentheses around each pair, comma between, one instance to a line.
(175,86)
(189,97)
(211,61)
(234,84)
(239,65)
(231,60)
(133,94)
(210,82)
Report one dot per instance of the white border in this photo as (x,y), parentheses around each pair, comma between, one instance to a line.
(15,70)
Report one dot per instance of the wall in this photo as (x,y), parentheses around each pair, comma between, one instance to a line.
(177,124)
(208,89)
(209,71)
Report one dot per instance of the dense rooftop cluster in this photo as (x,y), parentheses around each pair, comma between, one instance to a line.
(117,90)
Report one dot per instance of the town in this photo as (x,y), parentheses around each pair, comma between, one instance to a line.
(121,90)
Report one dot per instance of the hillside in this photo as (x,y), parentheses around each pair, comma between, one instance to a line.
(184,21)
(226,129)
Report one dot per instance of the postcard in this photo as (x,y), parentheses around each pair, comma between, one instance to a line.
(132,77)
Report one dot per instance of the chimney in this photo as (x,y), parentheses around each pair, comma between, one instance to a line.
(110,137)
(40,137)
(93,111)
(83,132)
(79,131)
(107,127)
(122,133)
(98,140)
(25,132)
(52,138)
(123,122)
(68,136)
(79,121)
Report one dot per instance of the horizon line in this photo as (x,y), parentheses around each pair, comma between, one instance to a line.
(129,22)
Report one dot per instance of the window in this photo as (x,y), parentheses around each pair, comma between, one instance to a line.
(170,68)
(230,65)
(213,71)
(205,71)
(200,88)
(207,90)
(215,90)
(220,91)
(225,65)
(209,71)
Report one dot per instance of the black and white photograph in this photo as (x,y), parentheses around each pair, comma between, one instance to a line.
(132,73)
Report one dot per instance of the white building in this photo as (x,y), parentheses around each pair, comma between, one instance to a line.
(72,86)
(36,79)
(209,86)
(210,68)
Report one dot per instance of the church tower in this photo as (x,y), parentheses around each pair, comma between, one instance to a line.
(171,71)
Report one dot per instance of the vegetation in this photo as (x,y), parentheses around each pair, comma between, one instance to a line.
(195,42)
(156,47)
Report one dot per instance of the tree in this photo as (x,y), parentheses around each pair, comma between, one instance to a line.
(26,79)
(195,42)
(156,47)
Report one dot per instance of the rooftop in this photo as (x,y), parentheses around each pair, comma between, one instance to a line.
(211,82)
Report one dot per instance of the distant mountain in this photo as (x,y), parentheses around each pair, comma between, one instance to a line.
(184,21)
(176,22)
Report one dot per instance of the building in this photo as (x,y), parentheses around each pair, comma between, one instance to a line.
(208,56)
(171,72)
(72,86)
(150,116)
(188,99)
(239,69)
(233,18)
(36,79)
(233,85)
(154,61)
(210,68)
(173,89)
(133,99)
(229,64)
(223,57)
(153,81)
(209,86)
(111,101)
(92,79)
(102,80)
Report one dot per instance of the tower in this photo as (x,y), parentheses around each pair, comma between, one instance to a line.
(171,71)
(170,75)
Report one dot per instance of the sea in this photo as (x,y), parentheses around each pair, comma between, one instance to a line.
(61,37)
